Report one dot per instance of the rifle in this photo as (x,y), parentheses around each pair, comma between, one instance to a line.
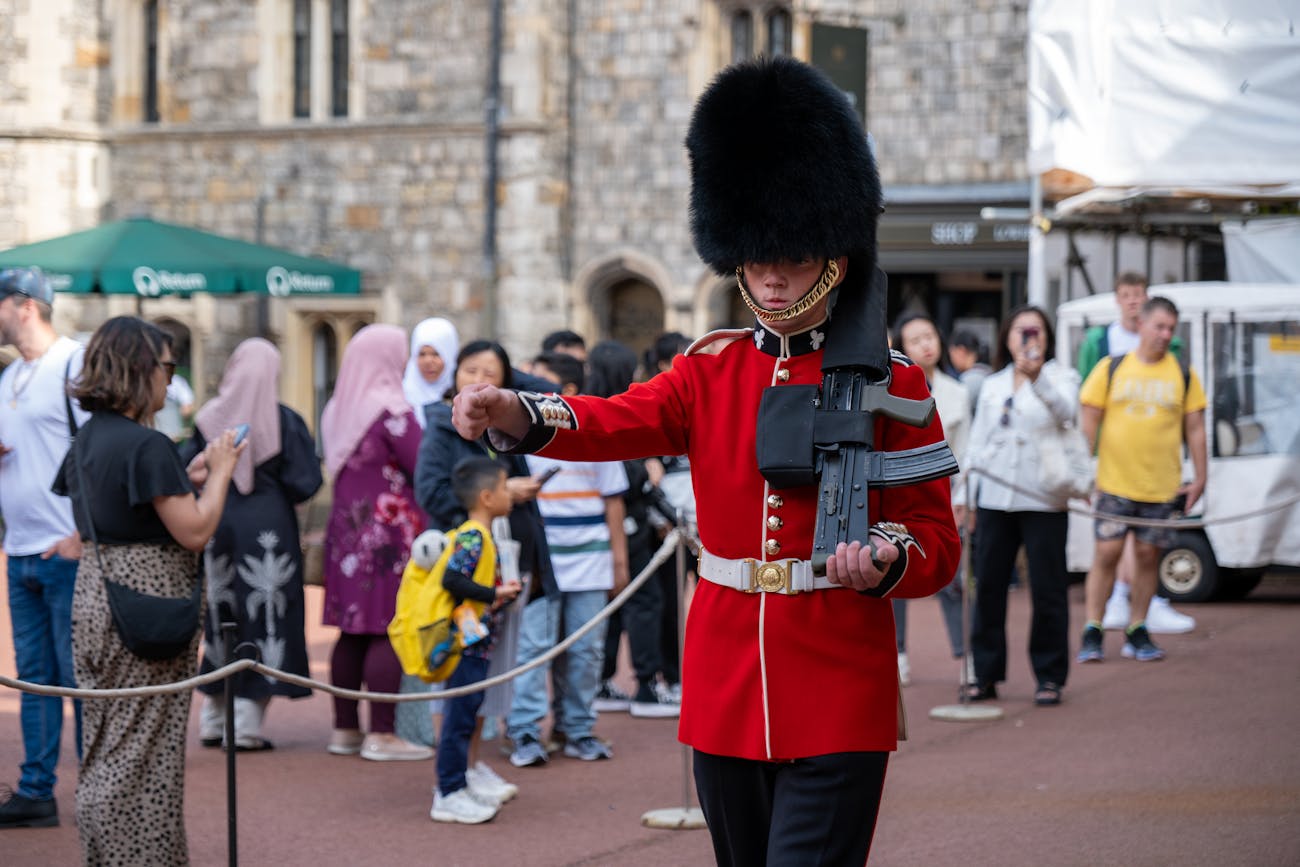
(826,433)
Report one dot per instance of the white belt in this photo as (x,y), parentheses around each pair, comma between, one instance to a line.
(787,577)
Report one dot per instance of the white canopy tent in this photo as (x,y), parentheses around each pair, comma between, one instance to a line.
(1263,251)
(1166,92)
(1184,107)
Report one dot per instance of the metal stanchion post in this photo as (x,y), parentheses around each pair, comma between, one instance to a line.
(683,817)
(228,652)
(965,711)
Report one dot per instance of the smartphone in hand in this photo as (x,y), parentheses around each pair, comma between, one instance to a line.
(1031,352)
(241,432)
(547,475)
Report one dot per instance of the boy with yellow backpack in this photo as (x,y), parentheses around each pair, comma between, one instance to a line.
(447,616)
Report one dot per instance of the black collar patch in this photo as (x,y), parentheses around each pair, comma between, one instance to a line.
(789,345)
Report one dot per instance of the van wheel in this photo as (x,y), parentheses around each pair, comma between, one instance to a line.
(1238,583)
(1188,570)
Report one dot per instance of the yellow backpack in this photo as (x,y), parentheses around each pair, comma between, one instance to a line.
(423,632)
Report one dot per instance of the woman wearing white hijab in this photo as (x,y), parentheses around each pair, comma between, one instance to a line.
(430,372)
(431,368)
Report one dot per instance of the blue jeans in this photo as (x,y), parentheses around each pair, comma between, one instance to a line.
(40,610)
(580,678)
(459,716)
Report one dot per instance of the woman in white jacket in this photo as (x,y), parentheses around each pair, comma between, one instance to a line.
(1029,396)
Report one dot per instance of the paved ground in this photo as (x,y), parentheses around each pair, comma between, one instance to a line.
(1192,761)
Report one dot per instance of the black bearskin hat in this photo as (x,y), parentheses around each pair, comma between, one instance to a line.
(780,168)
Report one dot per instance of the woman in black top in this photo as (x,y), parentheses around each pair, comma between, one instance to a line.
(141,506)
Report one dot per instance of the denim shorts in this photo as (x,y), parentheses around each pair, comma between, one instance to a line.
(1107,529)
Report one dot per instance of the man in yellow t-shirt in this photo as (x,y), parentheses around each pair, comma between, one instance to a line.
(1150,408)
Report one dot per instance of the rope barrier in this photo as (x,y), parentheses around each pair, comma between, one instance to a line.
(670,542)
(665,550)
(1177,523)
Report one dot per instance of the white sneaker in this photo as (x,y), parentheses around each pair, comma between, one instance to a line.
(1162,618)
(1117,612)
(904,670)
(460,807)
(391,748)
(483,780)
(487,799)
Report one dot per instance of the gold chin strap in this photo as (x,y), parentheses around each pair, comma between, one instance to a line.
(830,274)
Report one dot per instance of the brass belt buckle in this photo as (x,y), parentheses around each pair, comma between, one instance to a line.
(769,577)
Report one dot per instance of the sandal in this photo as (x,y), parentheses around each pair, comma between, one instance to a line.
(1047,694)
(980,691)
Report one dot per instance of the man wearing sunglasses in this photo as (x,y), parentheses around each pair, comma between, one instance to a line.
(36,423)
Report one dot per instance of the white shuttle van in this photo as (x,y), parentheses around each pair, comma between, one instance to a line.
(1243,340)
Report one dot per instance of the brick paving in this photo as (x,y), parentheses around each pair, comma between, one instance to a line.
(1191,761)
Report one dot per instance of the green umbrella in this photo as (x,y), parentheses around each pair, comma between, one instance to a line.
(148,258)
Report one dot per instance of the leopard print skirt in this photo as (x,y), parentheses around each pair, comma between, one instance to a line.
(130,793)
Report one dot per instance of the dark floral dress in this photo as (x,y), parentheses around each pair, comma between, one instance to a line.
(372,523)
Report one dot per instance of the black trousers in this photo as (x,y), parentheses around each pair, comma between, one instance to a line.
(998,537)
(815,811)
(669,625)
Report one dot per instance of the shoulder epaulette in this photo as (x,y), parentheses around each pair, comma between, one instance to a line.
(716,341)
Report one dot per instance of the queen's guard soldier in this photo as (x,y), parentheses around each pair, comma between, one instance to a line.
(818,469)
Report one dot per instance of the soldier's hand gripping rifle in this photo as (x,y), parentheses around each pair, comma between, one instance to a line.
(826,433)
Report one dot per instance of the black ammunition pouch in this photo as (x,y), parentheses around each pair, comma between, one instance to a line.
(787,417)
(793,431)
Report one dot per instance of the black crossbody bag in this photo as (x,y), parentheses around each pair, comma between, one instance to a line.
(151,627)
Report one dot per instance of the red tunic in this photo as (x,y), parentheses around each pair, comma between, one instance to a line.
(768,676)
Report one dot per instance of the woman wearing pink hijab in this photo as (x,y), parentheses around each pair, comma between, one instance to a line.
(254,563)
(371,438)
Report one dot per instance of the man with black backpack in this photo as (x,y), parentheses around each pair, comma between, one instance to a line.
(1114,341)
(1150,404)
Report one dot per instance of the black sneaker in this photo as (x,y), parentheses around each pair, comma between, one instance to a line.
(19,811)
(610,699)
(654,702)
(1090,646)
(1139,646)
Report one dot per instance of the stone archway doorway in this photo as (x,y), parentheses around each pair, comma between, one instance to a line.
(634,314)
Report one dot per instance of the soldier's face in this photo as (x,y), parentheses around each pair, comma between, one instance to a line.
(778,285)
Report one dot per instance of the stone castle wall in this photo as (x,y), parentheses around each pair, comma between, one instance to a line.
(946,95)
(592,164)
